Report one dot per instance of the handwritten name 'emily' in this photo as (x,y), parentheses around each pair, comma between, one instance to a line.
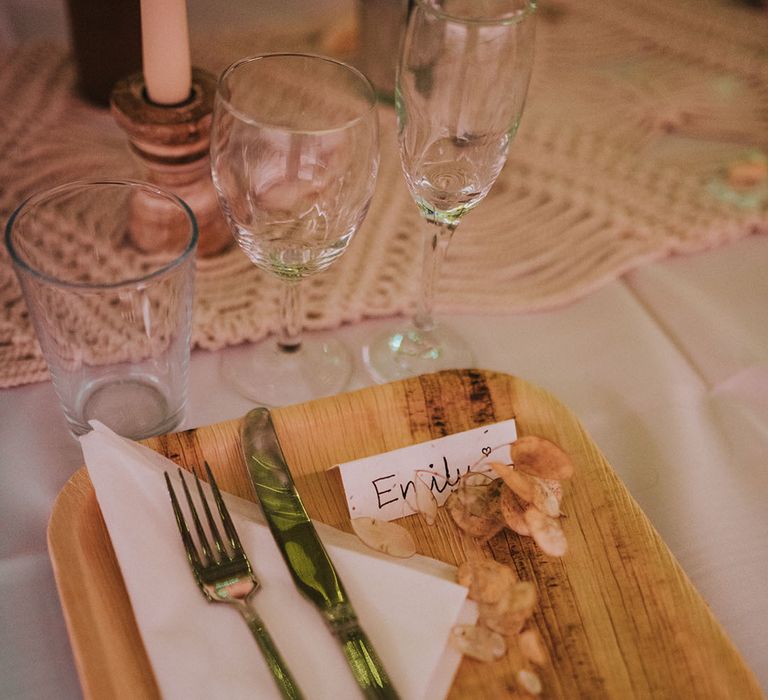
(381,486)
(439,483)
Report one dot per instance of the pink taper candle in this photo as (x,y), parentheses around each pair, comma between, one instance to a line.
(165,50)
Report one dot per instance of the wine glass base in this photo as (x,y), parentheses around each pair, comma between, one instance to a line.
(273,377)
(409,351)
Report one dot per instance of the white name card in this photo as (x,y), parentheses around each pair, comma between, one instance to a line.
(383,486)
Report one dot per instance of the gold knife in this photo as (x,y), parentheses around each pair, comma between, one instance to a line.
(304,554)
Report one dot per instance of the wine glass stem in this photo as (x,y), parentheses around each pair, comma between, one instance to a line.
(291,317)
(435,247)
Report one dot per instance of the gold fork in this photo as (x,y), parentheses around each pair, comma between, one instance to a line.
(224,573)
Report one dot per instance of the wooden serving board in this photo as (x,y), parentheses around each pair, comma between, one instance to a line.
(618,616)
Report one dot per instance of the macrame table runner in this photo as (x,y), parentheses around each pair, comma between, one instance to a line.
(636,109)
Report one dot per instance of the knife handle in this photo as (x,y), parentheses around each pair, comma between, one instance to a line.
(362,659)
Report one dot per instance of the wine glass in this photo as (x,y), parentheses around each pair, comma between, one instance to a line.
(294,158)
(461,86)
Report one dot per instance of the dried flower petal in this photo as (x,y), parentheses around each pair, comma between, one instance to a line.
(508,614)
(548,493)
(544,494)
(478,526)
(546,532)
(474,505)
(426,503)
(475,478)
(387,537)
(493,499)
(487,580)
(513,511)
(540,457)
(474,491)
(747,171)
(554,487)
(529,681)
(532,647)
(478,642)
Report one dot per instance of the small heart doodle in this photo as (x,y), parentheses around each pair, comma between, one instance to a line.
(486,451)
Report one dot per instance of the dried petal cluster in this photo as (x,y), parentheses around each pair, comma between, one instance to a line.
(525,497)
(505,603)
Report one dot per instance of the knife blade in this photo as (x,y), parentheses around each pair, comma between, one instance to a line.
(307,559)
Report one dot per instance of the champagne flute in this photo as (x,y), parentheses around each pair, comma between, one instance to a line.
(461,86)
(294,158)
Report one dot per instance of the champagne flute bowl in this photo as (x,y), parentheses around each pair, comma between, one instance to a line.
(294,158)
(461,86)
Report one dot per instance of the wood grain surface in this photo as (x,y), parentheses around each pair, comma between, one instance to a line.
(617,614)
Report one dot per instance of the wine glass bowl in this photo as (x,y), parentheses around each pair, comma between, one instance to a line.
(461,86)
(294,158)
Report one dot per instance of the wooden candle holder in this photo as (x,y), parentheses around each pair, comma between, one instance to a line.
(172,143)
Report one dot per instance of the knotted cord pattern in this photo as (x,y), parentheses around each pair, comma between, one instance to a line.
(635,112)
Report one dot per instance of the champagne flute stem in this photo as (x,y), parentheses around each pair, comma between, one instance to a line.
(291,317)
(435,249)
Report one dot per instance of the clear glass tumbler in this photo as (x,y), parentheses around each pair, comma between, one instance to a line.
(114,322)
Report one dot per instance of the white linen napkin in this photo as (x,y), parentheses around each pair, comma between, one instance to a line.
(204,650)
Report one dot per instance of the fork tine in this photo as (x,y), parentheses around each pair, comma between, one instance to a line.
(217,541)
(186,536)
(207,554)
(229,526)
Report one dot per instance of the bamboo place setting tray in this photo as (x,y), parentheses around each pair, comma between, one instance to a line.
(617,615)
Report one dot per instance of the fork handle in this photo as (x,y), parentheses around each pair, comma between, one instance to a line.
(365,664)
(285,683)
